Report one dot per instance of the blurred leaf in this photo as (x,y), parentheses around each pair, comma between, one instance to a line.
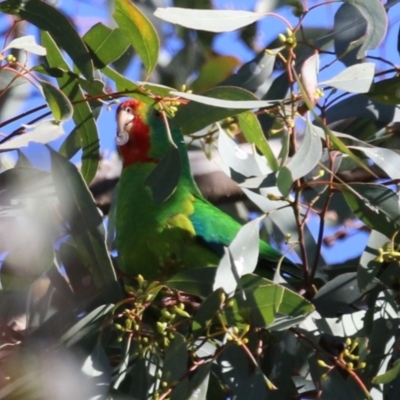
(26,43)
(360,105)
(369,266)
(83,116)
(220,101)
(10,78)
(208,20)
(215,105)
(333,298)
(253,74)
(88,324)
(164,178)
(235,157)
(107,44)
(207,311)
(214,71)
(43,132)
(309,73)
(197,281)
(79,210)
(356,78)
(49,19)
(261,301)
(59,104)
(140,32)
(244,382)
(374,13)
(175,361)
(243,252)
(198,384)
(377,206)
(308,154)
(30,258)
(251,128)
(388,376)
(386,91)
(387,159)
(304,160)
(349,28)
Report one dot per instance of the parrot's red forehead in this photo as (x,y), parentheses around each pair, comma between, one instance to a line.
(133,104)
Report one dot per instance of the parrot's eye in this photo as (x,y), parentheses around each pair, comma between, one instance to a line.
(128,110)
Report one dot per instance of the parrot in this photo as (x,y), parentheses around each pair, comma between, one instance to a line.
(185,230)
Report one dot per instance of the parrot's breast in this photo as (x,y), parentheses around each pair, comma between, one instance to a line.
(156,240)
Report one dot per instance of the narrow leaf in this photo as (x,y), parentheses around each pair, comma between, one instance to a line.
(308,154)
(28,44)
(244,249)
(83,117)
(58,102)
(374,13)
(356,78)
(251,128)
(208,20)
(43,132)
(140,32)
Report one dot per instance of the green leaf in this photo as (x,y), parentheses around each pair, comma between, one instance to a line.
(241,259)
(26,261)
(235,157)
(304,160)
(49,19)
(107,44)
(377,206)
(224,97)
(208,20)
(369,266)
(356,78)
(374,13)
(197,281)
(214,71)
(140,32)
(207,311)
(198,384)
(333,298)
(78,209)
(388,376)
(90,323)
(261,300)
(10,78)
(214,105)
(386,91)
(83,116)
(252,131)
(58,102)
(164,178)
(175,361)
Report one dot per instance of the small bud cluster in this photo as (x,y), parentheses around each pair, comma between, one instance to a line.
(388,253)
(9,58)
(289,40)
(347,358)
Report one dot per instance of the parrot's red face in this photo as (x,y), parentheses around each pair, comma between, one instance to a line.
(133,134)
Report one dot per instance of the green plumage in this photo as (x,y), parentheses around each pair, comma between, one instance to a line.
(185,231)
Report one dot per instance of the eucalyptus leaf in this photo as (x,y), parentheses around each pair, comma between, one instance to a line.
(208,20)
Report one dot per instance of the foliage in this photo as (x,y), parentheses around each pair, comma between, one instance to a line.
(215,332)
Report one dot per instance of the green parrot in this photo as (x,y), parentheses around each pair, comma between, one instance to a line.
(184,231)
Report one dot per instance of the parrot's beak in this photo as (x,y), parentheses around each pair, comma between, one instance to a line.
(124,125)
